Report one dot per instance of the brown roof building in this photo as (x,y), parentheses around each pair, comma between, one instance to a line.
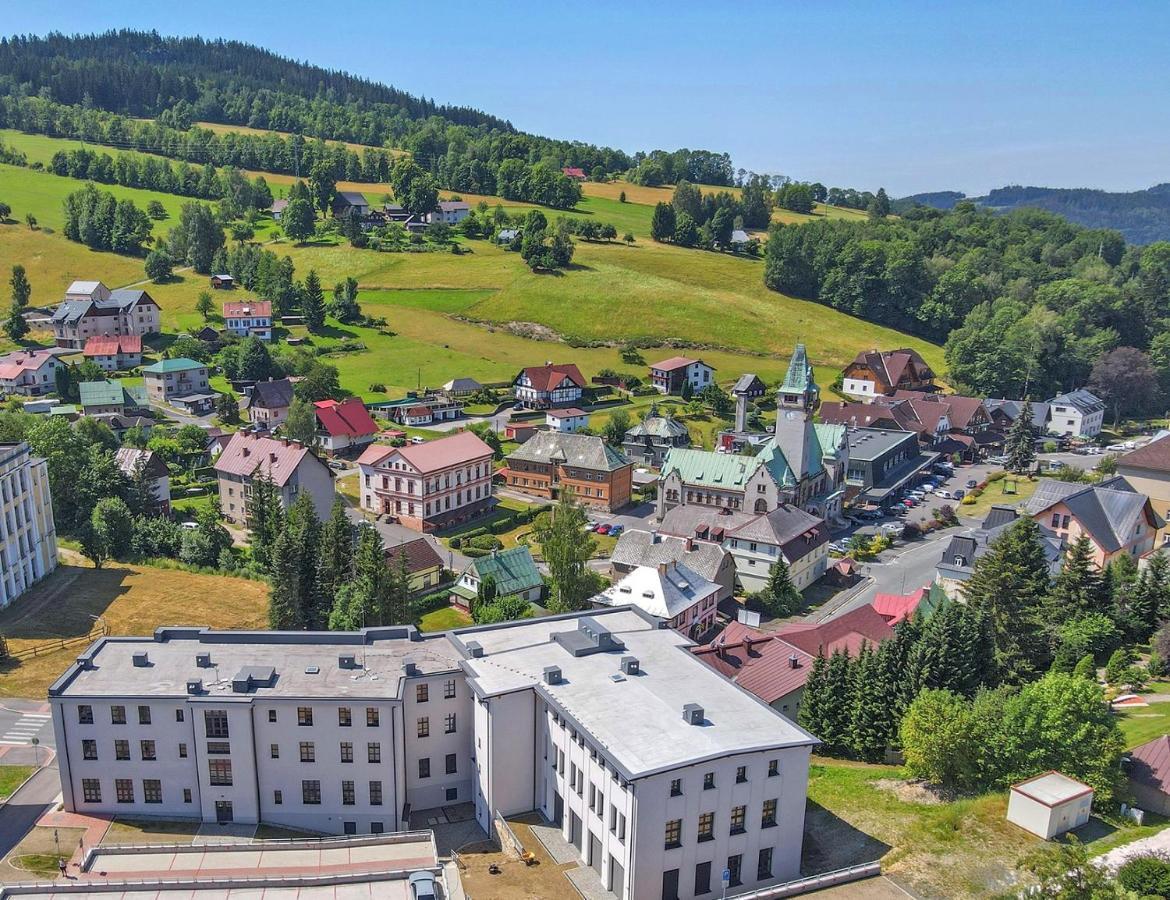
(423,563)
(541,387)
(1147,471)
(1148,770)
(293,468)
(549,461)
(876,372)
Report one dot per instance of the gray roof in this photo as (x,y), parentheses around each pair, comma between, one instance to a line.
(792,529)
(971,547)
(662,592)
(463,384)
(665,427)
(998,516)
(1012,408)
(644,548)
(271,394)
(581,450)
(871,443)
(120,299)
(739,236)
(1109,511)
(748,382)
(1081,400)
(353,198)
(691,520)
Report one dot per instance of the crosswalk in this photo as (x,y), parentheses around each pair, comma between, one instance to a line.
(24,729)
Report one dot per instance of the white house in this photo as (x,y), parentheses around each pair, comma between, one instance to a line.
(566,421)
(249,318)
(28,534)
(29,372)
(671,592)
(131,460)
(1050,804)
(1076,414)
(669,375)
(449,212)
(787,532)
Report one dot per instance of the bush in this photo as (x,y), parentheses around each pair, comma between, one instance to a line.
(475,552)
(456,543)
(473,533)
(378,388)
(486,542)
(1146,876)
(996,476)
(969,500)
(503,525)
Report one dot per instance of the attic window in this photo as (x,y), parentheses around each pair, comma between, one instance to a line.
(625,589)
(649,595)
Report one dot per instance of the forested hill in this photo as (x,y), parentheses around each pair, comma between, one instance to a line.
(1142,216)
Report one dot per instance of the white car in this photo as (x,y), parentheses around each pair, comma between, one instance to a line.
(418,440)
(944,494)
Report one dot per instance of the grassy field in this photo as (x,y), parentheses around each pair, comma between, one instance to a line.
(1142,724)
(997,495)
(444,619)
(130,599)
(12,777)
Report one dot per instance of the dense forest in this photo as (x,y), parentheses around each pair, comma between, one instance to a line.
(1027,302)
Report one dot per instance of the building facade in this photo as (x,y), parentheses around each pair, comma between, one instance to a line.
(171,378)
(28,535)
(269,402)
(115,354)
(291,466)
(669,376)
(786,533)
(877,372)
(29,373)
(249,318)
(548,462)
(650,440)
(1076,414)
(428,486)
(91,309)
(542,387)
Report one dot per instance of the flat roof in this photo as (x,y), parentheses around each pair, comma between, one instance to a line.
(637,720)
(870,443)
(1052,788)
(171,660)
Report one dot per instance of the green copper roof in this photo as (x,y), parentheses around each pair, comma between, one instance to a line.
(830,437)
(717,470)
(800,374)
(179,364)
(514,570)
(99,393)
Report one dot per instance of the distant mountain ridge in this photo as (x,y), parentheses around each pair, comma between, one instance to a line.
(1141,216)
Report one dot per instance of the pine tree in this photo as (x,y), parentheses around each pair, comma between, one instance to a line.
(21,289)
(1020,447)
(838,709)
(265,519)
(398,599)
(305,527)
(1150,597)
(336,563)
(869,729)
(313,303)
(15,325)
(1086,667)
(1008,586)
(897,673)
(1079,588)
(779,598)
(370,573)
(811,715)
(286,611)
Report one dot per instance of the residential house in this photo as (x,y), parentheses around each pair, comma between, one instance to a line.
(269,402)
(343,425)
(428,486)
(27,531)
(882,463)
(957,564)
(542,387)
(120,424)
(131,461)
(170,379)
(29,373)
(115,353)
(971,434)
(514,572)
(507,235)
(931,423)
(670,375)
(196,404)
(277,208)
(424,566)
(1076,414)
(636,547)
(249,318)
(650,440)
(350,203)
(739,238)
(519,431)
(1147,767)
(673,593)
(1115,517)
(90,308)
(1005,412)
(549,462)
(292,467)
(1147,471)
(420,409)
(566,421)
(208,335)
(449,212)
(107,397)
(222,281)
(395,213)
(574,172)
(876,372)
(462,387)
(786,532)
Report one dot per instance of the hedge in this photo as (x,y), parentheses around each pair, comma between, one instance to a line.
(485,542)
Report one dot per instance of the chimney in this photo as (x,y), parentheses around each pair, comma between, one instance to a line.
(655,537)
(285,441)
(662,567)
(794,661)
(630,665)
(247,452)
(141,660)
(690,544)
(272,456)
(692,713)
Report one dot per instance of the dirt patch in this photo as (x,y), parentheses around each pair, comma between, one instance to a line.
(915,791)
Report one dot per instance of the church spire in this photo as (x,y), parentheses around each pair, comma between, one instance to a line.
(799,390)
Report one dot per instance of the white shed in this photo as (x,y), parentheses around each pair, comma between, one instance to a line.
(1049,804)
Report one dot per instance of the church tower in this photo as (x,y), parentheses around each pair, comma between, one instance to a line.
(796,399)
(799,391)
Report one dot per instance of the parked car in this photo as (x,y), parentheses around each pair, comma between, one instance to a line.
(603,529)
(998,460)
(972,483)
(910,502)
(591,526)
(1116,448)
(959,494)
(839,547)
(418,440)
(945,494)
(871,515)
(615,530)
(917,495)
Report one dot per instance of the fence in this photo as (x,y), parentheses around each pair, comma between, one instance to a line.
(814,883)
(61,644)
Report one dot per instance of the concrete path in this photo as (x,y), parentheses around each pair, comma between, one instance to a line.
(1154,844)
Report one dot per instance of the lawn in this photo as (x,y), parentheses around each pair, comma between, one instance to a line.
(996,495)
(12,777)
(444,619)
(130,599)
(1144,723)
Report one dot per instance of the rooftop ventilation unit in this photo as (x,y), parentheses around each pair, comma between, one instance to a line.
(630,665)
(794,661)
(552,674)
(474,649)
(84,662)
(347,661)
(312,670)
(194,685)
(251,677)
(203,660)
(409,667)
(141,660)
(616,677)
(693,714)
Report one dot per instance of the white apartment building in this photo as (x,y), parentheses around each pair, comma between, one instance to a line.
(1076,414)
(28,537)
(659,770)
(91,309)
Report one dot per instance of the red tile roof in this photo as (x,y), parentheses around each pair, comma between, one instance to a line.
(348,418)
(569,413)
(546,378)
(1154,456)
(895,608)
(573,171)
(247,451)
(457,449)
(111,345)
(1150,764)
(420,555)
(247,309)
(847,632)
(758,662)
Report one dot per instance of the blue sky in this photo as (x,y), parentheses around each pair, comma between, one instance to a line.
(910,96)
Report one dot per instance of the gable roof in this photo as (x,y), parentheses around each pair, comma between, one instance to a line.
(960,410)
(348,418)
(101,393)
(271,394)
(112,345)
(702,522)
(1109,511)
(847,632)
(248,452)
(514,570)
(18,362)
(1081,400)
(664,590)
(463,384)
(420,555)
(129,458)
(240,309)
(796,532)
(1150,764)
(570,412)
(351,198)
(178,364)
(704,467)
(453,205)
(1012,409)
(666,427)
(762,663)
(643,548)
(546,378)
(892,365)
(748,383)
(461,447)
(675,362)
(1154,456)
(573,171)
(84,287)
(895,608)
(585,451)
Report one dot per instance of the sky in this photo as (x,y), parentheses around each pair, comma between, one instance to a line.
(904,95)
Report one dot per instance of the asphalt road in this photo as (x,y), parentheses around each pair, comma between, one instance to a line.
(20,722)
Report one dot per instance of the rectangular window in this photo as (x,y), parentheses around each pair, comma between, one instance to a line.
(422,693)
(621,826)
(347,795)
(449,688)
(121,749)
(151,790)
(424,727)
(375,793)
(706,826)
(182,751)
(85,715)
(768,819)
(702,878)
(449,723)
(91,790)
(708,781)
(124,790)
(773,767)
(118,715)
(346,752)
(673,833)
(220,771)
(147,750)
(308,751)
(741,775)
(186,795)
(178,715)
(304,715)
(311,793)
(374,752)
(272,715)
(143,715)
(734,865)
(89,749)
(218,748)
(344,719)
(452,794)
(738,819)
(372,716)
(452,764)
(764,866)
(274,751)
(278,797)
(676,787)
(215,723)
(424,767)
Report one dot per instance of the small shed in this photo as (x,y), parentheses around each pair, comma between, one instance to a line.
(222,282)
(1148,769)
(1050,804)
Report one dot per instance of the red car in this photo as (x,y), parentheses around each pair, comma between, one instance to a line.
(603,529)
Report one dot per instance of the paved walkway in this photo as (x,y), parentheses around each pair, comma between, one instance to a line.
(95,831)
(1155,844)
